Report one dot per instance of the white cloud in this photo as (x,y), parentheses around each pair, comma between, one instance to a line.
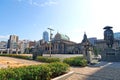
(38,4)
(4,37)
(49,3)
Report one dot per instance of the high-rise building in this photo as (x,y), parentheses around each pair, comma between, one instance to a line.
(92,40)
(45,36)
(23,45)
(13,43)
(117,35)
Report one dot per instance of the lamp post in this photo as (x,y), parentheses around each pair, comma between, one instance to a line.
(50,39)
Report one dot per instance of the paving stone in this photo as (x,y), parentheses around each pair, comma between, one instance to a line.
(101,71)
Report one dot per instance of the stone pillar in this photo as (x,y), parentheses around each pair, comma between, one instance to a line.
(8,51)
(16,51)
(1,52)
(89,56)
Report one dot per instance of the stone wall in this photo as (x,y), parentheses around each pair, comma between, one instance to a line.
(112,55)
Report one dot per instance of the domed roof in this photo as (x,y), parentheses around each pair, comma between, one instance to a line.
(59,36)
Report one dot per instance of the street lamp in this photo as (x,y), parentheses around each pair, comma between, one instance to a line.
(50,39)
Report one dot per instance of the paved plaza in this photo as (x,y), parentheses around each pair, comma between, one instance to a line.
(100,71)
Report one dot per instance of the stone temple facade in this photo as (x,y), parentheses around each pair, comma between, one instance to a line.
(60,44)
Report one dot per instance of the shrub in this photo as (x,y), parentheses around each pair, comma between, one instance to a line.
(58,68)
(41,72)
(76,61)
(47,59)
(34,72)
(7,74)
(68,61)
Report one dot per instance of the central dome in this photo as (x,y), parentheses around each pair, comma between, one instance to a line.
(59,36)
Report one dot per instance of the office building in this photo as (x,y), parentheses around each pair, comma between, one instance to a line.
(13,43)
(117,35)
(23,45)
(92,40)
(45,36)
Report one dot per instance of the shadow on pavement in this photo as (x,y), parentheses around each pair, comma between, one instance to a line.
(107,71)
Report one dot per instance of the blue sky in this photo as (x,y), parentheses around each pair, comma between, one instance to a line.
(29,18)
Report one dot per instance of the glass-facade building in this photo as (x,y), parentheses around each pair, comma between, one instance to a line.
(117,35)
(45,36)
(92,40)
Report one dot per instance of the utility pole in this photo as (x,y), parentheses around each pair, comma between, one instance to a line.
(50,39)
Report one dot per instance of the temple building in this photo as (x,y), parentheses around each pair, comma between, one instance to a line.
(60,44)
